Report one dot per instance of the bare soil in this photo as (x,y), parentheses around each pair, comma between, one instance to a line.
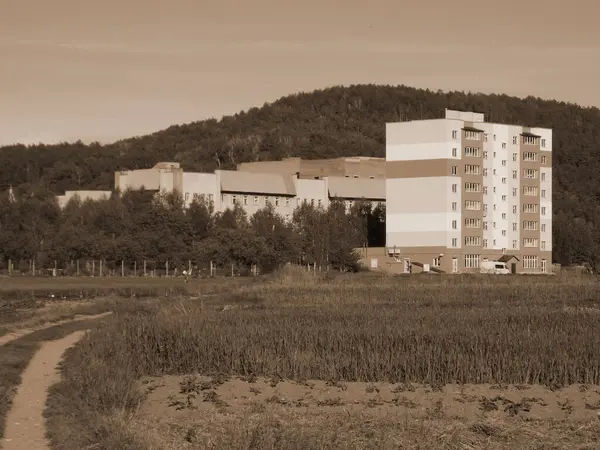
(25,428)
(197,411)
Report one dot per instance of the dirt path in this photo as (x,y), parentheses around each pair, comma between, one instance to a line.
(25,331)
(25,426)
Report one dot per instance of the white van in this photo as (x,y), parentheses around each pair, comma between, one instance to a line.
(495,267)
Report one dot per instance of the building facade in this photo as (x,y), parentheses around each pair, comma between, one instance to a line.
(460,191)
(252,190)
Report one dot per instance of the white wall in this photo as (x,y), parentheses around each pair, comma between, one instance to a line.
(199,184)
(307,189)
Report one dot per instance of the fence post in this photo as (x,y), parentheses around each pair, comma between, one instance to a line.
(33,267)
(122,269)
(167,267)
(77,267)
(10,267)
(100,268)
(135,268)
(144,267)
(231,270)
(93,267)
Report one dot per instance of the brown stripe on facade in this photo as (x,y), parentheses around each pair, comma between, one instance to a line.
(421,168)
(525,185)
(472,194)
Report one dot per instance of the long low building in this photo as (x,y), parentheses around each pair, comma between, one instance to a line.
(252,190)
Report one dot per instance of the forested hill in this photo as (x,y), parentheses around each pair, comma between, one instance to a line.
(339,121)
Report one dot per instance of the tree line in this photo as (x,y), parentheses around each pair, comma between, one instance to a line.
(156,228)
(338,121)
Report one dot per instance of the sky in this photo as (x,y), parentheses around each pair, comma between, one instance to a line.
(111,69)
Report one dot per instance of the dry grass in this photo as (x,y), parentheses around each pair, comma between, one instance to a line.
(425,329)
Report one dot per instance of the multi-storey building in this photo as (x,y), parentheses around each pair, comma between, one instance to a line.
(460,191)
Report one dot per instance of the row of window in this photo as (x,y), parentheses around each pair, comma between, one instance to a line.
(477,136)
(256,200)
(198,197)
(471,169)
(475,205)
(477,241)
(528,225)
(472,261)
(476,187)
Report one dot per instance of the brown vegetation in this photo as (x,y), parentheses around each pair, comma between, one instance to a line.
(373,329)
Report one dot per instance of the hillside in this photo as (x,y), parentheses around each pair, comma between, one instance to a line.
(338,121)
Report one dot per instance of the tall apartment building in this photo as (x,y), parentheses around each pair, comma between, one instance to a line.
(460,191)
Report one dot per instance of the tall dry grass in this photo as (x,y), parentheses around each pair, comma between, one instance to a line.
(366,328)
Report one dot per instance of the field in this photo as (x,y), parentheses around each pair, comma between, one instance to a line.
(345,362)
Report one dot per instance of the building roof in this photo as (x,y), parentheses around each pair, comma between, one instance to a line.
(257,183)
(356,188)
(468,128)
(507,258)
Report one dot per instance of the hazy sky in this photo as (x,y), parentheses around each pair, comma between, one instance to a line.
(108,69)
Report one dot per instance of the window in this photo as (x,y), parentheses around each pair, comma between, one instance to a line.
(436,262)
(494,189)
(472,187)
(503,180)
(454,170)
(485,244)
(543,245)
(245,198)
(514,174)
(503,232)
(543,210)
(223,198)
(514,226)
(530,208)
(472,223)
(493,171)
(544,176)
(543,228)
(454,134)
(485,172)
(514,209)
(495,207)
(276,201)
(454,206)
(530,242)
(504,162)
(543,193)
(515,192)
(318,203)
(472,170)
(287,202)
(454,242)
(472,241)
(454,188)
(530,225)
(494,137)
(504,145)
(530,174)
(233,199)
(472,135)
(504,198)
(472,205)
(514,244)
(515,142)
(485,137)
(472,151)
(187,196)
(485,155)
(471,261)
(503,216)
(494,225)
(454,152)
(530,190)
(529,140)
(544,143)
(485,190)
(454,225)
(530,262)
(485,207)
(529,156)
(544,159)
(257,200)
(485,225)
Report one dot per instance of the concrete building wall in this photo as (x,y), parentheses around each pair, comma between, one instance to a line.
(196,185)
(312,191)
